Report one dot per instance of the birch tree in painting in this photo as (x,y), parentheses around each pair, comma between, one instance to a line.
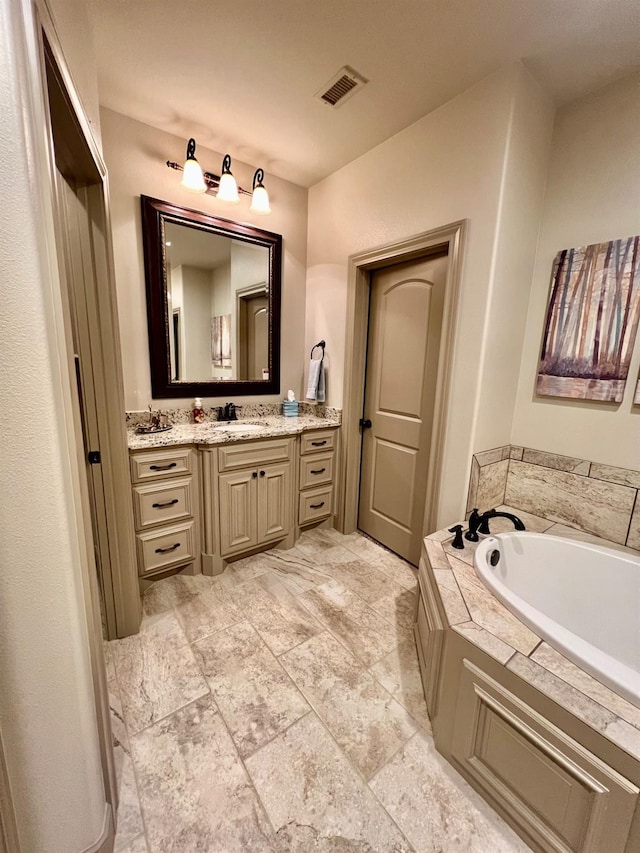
(592,321)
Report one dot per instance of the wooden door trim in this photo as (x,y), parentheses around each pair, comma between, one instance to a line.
(451,237)
(115,462)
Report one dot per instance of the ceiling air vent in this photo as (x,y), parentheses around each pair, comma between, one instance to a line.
(341,87)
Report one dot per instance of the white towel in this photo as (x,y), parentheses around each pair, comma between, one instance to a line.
(315,384)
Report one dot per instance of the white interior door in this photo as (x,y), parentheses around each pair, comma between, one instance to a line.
(402,364)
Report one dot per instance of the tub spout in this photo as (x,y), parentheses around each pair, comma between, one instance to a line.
(480,523)
(483,526)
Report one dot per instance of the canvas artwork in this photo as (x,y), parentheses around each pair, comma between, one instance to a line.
(221,340)
(592,320)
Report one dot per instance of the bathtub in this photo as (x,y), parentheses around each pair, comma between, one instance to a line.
(582,598)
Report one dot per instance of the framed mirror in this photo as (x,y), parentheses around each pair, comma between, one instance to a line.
(213,303)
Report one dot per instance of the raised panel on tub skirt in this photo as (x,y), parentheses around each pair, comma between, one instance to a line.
(562,795)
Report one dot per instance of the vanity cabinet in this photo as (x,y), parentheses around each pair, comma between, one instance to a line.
(248,498)
(200,506)
(254,507)
(316,467)
(165,490)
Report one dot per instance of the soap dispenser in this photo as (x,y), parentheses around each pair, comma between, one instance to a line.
(198,411)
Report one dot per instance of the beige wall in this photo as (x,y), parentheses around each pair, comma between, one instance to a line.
(47,712)
(479,157)
(136,155)
(593,195)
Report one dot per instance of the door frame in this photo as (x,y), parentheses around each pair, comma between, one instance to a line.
(450,237)
(119,566)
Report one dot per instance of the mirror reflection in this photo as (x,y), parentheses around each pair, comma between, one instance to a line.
(213,303)
(218,304)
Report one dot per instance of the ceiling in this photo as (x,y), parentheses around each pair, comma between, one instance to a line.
(241,77)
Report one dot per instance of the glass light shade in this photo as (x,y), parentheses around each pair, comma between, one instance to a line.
(192,178)
(260,201)
(228,189)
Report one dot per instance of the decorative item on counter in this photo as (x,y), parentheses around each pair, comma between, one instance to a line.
(290,406)
(157,423)
(198,411)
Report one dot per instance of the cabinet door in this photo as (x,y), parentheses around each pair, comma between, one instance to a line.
(238,518)
(274,502)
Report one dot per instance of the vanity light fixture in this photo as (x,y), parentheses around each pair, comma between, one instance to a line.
(192,177)
(224,185)
(260,198)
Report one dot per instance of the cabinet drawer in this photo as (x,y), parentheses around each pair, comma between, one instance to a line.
(322,439)
(161,463)
(316,470)
(155,503)
(249,453)
(165,547)
(314,504)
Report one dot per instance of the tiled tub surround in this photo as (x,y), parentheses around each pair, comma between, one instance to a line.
(599,499)
(469,611)
(279,707)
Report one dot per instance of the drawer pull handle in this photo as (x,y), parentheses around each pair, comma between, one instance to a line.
(318,471)
(262,473)
(167,550)
(166,503)
(163,467)
(316,506)
(318,443)
(254,474)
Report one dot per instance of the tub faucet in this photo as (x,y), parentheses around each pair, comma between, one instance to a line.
(480,523)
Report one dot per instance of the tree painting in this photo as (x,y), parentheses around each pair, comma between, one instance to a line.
(592,320)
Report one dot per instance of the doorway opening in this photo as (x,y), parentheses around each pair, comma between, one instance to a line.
(402,515)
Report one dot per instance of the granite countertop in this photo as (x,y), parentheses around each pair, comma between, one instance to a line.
(475,613)
(211,432)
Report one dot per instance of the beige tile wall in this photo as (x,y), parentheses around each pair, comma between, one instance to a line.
(599,499)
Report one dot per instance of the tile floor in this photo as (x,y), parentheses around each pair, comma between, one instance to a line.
(278,707)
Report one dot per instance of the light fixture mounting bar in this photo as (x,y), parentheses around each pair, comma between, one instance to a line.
(212,181)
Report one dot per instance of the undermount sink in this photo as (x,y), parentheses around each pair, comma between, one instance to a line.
(236,427)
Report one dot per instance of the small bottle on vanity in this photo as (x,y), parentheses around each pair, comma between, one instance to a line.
(198,411)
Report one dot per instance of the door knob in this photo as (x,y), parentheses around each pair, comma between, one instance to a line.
(365,424)
(254,474)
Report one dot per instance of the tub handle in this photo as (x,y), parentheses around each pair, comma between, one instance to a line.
(457,539)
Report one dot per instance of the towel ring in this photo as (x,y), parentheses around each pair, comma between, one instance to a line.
(320,345)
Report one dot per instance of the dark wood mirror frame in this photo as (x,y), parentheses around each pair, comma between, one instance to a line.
(155,214)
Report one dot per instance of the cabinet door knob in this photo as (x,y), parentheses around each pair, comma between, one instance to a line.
(254,474)
(262,473)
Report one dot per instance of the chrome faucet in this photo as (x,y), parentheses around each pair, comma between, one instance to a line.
(480,523)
